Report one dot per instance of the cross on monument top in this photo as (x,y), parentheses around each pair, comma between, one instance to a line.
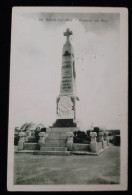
(67,33)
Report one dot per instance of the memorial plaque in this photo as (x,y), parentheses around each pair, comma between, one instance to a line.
(65,108)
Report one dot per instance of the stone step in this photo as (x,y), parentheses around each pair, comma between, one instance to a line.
(56,153)
(62,142)
(53,149)
(53,145)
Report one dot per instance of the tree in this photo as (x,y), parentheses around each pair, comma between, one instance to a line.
(97,130)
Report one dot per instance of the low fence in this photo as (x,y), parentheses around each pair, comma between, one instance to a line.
(91,146)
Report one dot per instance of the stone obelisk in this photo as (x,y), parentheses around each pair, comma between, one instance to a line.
(58,139)
(66,101)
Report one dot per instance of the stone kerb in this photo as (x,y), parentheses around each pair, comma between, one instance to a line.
(70,141)
(93,143)
(42,138)
(22,138)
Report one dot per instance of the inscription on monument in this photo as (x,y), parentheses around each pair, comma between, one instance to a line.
(66,80)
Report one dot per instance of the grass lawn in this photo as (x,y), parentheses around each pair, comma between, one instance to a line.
(74,169)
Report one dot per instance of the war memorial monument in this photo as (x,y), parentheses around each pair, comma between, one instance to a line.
(67,128)
(58,139)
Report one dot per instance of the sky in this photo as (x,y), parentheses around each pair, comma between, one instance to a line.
(35,72)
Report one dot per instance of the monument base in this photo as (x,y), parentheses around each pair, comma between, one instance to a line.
(56,141)
(64,123)
(59,141)
(57,137)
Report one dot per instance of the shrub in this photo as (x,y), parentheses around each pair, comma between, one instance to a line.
(81,137)
(97,130)
(116,140)
(16,139)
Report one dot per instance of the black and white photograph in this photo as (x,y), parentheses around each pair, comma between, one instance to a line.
(68,99)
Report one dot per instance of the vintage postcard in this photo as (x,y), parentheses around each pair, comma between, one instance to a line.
(68,99)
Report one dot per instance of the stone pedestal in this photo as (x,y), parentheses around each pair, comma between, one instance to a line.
(101,136)
(93,143)
(106,138)
(22,138)
(103,139)
(42,138)
(58,141)
(58,137)
(104,144)
(70,141)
